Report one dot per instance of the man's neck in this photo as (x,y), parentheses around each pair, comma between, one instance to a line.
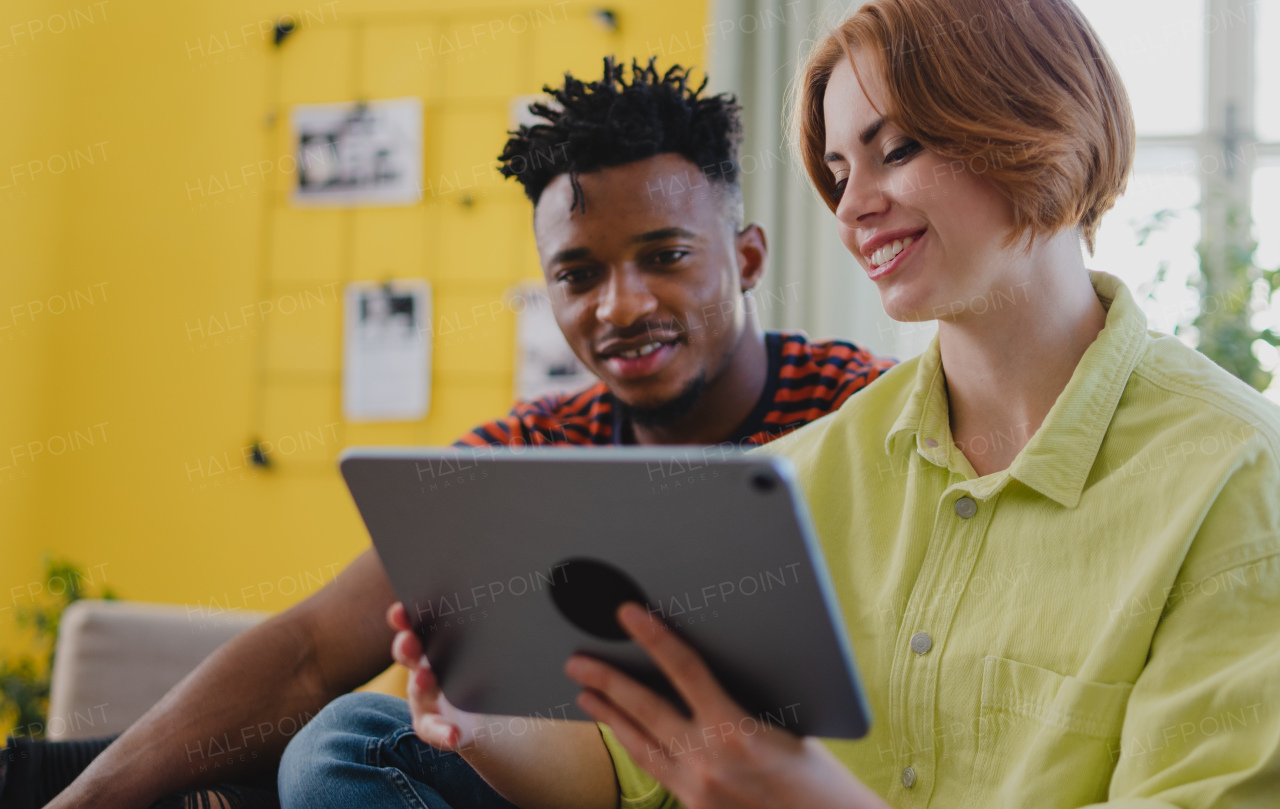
(727,401)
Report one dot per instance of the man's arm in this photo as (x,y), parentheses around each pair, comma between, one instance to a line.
(240,707)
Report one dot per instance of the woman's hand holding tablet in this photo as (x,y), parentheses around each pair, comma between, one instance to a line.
(741,763)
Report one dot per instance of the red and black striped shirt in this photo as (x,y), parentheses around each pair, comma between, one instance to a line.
(806,381)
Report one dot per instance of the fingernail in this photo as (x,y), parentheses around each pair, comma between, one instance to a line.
(443,730)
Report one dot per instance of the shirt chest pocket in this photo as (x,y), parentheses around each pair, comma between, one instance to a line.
(1044,739)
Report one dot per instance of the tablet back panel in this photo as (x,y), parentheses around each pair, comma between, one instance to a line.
(510,562)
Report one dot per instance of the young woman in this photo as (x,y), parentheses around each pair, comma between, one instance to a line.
(1055,535)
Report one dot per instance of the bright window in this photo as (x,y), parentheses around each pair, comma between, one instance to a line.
(1163,51)
(1156,257)
(1149,238)
(1268,56)
(1266,215)
(1266,223)
(1159,46)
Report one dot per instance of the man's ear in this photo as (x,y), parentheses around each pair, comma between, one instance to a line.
(753,255)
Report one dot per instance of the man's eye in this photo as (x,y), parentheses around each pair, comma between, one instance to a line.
(838,191)
(903,152)
(670,256)
(574,277)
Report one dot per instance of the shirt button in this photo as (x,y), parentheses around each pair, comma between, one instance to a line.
(908,778)
(966,508)
(931,442)
(921,643)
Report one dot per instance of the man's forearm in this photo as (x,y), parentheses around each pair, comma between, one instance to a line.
(235,713)
(228,719)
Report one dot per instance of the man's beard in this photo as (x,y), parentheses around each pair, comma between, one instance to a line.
(670,411)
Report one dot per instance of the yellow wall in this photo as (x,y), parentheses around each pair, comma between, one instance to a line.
(173,100)
(30,237)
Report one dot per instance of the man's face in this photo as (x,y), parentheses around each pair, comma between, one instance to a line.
(647,284)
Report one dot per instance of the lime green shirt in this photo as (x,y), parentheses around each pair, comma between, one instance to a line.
(1100,622)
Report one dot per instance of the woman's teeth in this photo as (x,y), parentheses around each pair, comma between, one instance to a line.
(642,351)
(885,254)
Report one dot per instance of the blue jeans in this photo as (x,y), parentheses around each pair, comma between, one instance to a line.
(361,752)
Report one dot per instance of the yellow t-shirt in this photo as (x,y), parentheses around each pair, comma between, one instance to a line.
(1103,616)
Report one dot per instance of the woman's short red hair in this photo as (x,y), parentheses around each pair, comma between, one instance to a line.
(1022,91)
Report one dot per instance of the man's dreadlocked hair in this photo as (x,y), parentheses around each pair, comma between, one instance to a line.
(598,124)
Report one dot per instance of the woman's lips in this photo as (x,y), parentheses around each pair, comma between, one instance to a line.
(636,367)
(881,270)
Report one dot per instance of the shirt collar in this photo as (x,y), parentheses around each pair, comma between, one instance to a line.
(1057,460)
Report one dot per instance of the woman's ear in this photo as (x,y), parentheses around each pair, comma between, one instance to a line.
(753,255)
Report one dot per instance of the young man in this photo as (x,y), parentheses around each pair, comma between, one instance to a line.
(638,219)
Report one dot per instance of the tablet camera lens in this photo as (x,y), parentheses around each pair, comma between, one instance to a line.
(763,482)
(588,593)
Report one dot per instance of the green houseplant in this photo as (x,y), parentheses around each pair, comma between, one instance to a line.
(24,679)
(1230,295)
(1233,289)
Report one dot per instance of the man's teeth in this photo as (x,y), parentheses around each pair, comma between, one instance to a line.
(885,254)
(642,351)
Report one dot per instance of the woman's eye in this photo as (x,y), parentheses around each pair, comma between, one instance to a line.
(838,190)
(903,152)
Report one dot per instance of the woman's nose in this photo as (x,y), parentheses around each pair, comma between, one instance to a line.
(863,199)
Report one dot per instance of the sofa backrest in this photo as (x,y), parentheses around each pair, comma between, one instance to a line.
(115,659)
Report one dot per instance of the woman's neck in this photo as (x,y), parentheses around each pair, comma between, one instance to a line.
(1006,368)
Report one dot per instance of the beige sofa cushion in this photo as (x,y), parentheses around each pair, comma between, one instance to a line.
(115,659)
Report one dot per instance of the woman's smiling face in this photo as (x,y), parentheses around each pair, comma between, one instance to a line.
(929,232)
